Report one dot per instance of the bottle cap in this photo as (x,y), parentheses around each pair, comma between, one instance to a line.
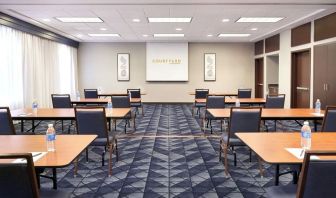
(318,100)
(306,123)
(50,125)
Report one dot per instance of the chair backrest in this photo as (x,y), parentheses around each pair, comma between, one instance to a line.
(91,93)
(6,122)
(61,100)
(317,178)
(329,120)
(18,179)
(201,93)
(135,93)
(244,119)
(120,101)
(244,93)
(215,102)
(91,120)
(275,101)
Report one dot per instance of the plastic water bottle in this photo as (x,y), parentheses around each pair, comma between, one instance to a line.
(305,136)
(318,106)
(34,106)
(109,105)
(237,103)
(130,95)
(51,137)
(78,95)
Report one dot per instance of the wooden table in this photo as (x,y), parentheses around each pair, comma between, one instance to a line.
(85,101)
(68,148)
(60,114)
(271,147)
(216,93)
(116,94)
(250,101)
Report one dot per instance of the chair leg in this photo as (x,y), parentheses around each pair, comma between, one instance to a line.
(275,125)
(87,154)
(260,167)
(250,155)
(76,167)
(115,125)
(142,110)
(116,149)
(103,156)
(226,165)
(110,160)
(295,177)
(234,158)
(221,125)
(220,150)
(62,125)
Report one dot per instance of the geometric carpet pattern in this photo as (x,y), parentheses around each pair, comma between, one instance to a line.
(168,155)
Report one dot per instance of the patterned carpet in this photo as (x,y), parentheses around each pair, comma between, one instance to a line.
(167,156)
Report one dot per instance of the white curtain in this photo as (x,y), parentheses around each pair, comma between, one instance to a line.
(33,68)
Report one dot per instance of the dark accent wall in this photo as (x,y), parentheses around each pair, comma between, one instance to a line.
(301,35)
(259,47)
(23,26)
(325,27)
(272,43)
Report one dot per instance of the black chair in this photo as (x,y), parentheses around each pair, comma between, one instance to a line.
(61,101)
(136,93)
(329,121)
(92,120)
(19,179)
(213,102)
(275,102)
(244,93)
(242,119)
(122,101)
(91,93)
(6,122)
(317,178)
(200,94)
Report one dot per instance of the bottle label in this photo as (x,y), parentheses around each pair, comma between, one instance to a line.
(51,137)
(305,134)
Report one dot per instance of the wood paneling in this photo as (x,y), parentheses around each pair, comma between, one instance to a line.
(23,26)
(301,35)
(259,47)
(325,27)
(272,43)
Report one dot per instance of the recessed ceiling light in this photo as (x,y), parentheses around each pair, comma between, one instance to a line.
(80,19)
(168,35)
(103,29)
(209,35)
(254,29)
(169,20)
(136,20)
(178,29)
(259,19)
(145,35)
(225,20)
(104,35)
(46,20)
(233,35)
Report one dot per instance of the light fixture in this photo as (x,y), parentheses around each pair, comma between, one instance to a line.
(259,19)
(178,29)
(103,29)
(145,35)
(254,29)
(104,35)
(168,35)
(209,35)
(169,20)
(46,20)
(80,19)
(233,35)
(225,20)
(136,20)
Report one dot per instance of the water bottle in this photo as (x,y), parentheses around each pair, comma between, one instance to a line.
(109,105)
(34,106)
(305,136)
(78,95)
(130,95)
(50,137)
(318,106)
(237,103)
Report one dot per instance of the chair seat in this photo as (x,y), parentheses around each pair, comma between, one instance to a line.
(233,141)
(135,104)
(199,104)
(288,191)
(51,193)
(102,141)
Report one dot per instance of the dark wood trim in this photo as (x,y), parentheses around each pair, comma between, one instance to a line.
(301,35)
(23,26)
(259,47)
(272,43)
(325,27)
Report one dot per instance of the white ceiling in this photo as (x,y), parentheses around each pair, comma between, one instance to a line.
(206,17)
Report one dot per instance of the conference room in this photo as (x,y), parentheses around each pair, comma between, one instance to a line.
(167,98)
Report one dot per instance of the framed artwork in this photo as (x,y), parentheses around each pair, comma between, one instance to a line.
(123,67)
(209,67)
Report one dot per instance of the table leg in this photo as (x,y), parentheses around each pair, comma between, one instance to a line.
(33,126)
(54,178)
(109,124)
(21,126)
(315,125)
(276,179)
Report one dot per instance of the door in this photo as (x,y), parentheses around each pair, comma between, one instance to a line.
(320,74)
(301,79)
(259,78)
(331,72)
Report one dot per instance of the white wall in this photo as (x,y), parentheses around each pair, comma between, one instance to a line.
(98,68)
